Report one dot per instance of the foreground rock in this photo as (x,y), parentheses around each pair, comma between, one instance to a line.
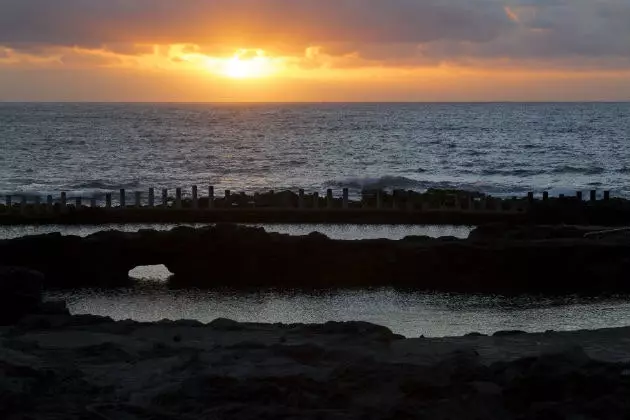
(88,367)
(236,256)
(20,293)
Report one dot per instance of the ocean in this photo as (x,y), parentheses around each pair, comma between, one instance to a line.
(497,148)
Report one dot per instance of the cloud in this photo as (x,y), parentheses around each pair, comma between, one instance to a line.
(94,22)
(364,32)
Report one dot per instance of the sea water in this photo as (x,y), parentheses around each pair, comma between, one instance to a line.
(496,148)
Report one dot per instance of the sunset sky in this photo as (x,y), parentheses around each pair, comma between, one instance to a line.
(314,50)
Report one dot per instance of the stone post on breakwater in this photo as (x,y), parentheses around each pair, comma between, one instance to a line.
(178,198)
(211,197)
(410,204)
(151,197)
(400,201)
(195,202)
(63,203)
(301,199)
(227,202)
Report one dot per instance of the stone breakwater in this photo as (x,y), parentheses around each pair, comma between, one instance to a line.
(494,259)
(85,367)
(374,206)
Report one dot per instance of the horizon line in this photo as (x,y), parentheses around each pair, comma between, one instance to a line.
(315,102)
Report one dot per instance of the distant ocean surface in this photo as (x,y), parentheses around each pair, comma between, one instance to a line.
(501,149)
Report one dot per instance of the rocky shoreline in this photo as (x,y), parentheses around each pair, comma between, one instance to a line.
(495,258)
(55,366)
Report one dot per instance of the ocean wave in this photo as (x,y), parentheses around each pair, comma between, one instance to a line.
(568,169)
(103,185)
(386,182)
(389,183)
(512,172)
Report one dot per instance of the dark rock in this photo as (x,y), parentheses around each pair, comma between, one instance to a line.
(302,353)
(91,320)
(417,238)
(20,293)
(317,236)
(244,257)
(505,231)
(55,307)
(353,328)
(182,322)
(508,333)
(475,334)
(226,325)
(36,322)
(486,388)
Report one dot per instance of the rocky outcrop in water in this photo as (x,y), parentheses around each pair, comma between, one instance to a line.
(236,256)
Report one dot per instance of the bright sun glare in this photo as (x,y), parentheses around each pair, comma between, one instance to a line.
(247,65)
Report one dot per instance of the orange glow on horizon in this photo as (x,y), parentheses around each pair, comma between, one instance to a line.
(233,73)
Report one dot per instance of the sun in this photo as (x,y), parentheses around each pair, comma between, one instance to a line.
(247,64)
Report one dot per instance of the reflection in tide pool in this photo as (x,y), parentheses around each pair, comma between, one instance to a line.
(409,313)
(332,231)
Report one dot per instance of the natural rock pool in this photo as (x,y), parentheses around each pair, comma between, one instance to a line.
(408,313)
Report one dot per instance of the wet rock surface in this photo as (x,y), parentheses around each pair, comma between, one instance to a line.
(532,260)
(91,367)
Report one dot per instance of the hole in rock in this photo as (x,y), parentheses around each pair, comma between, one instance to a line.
(150,272)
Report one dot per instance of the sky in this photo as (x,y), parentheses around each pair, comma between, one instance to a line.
(314,50)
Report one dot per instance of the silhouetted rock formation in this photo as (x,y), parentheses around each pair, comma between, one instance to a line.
(236,256)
